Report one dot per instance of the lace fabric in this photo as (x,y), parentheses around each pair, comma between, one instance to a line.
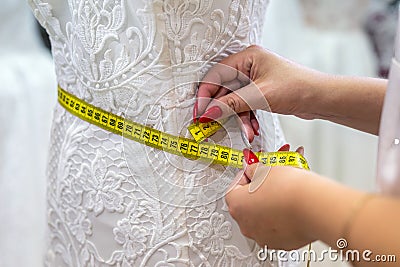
(112,202)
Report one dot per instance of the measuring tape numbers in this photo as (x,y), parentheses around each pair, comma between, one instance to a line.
(182,146)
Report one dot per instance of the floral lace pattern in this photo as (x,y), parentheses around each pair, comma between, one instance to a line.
(108,204)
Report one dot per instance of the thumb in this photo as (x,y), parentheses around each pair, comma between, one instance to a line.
(256,173)
(239,181)
(244,99)
(236,189)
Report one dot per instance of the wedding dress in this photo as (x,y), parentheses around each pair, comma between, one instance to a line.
(114,202)
(327,35)
(26,101)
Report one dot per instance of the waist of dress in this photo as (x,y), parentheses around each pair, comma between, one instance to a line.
(181,146)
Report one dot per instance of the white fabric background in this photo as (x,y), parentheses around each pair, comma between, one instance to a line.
(27,96)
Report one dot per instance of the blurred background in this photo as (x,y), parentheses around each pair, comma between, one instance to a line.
(352,37)
(27,97)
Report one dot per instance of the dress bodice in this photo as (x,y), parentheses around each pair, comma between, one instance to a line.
(105,51)
(113,202)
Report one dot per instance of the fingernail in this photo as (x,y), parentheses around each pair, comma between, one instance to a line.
(300,150)
(256,126)
(285,147)
(250,157)
(195,112)
(211,115)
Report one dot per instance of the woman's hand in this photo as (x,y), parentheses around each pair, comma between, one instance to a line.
(269,215)
(254,79)
(293,207)
(259,79)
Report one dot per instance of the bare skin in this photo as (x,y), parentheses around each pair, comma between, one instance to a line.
(292,89)
(294,207)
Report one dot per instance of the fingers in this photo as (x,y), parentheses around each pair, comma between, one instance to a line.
(300,150)
(222,91)
(285,147)
(252,176)
(256,173)
(230,71)
(218,93)
(254,123)
(242,180)
(245,99)
(246,125)
(239,184)
(228,104)
(239,181)
(195,111)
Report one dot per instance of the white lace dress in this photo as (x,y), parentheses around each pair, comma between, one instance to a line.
(114,202)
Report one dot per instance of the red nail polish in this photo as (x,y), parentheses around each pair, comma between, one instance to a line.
(250,157)
(285,147)
(211,114)
(256,132)
(195,111)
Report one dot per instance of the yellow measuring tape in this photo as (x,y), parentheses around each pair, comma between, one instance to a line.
(189,148)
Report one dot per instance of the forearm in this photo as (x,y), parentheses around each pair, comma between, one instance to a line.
(291,89)
(350,101)
(374,226)
(323,206)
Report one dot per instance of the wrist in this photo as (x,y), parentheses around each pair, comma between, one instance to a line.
(300,204)
(315,98)
(324,208)
(310,94)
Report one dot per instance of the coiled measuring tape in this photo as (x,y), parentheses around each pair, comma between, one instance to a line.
(182,146)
